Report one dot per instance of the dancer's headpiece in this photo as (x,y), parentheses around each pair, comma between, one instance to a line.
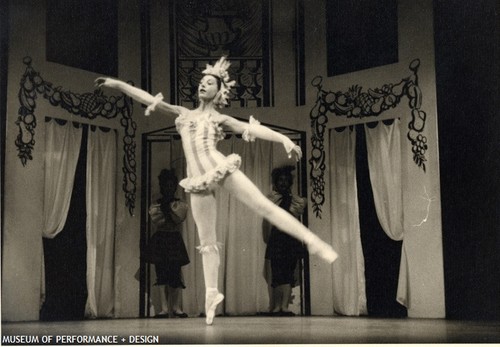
(219,70)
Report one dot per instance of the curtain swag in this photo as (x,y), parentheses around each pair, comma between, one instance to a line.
(384,161)
(359,104)
(63,143)
(88,106)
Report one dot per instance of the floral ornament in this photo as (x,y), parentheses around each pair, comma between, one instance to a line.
(87,105)
(355,103)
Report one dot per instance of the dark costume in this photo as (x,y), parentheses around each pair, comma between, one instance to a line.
(166,249)
(282,250)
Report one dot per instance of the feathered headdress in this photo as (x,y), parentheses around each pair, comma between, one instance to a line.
(219,70)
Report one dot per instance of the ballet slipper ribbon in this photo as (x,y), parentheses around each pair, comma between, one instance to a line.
(157,99)
(209,248)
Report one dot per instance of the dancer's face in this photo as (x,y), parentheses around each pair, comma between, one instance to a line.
(168,188)
(283,184)
(208,87)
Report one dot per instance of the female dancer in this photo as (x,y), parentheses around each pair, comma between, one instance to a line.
(208,169)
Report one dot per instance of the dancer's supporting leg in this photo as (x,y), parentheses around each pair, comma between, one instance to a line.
(242,188)
(204,211)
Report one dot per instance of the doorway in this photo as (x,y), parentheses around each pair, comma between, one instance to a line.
(382,255)
(65,254)
(79,243)
(162,149)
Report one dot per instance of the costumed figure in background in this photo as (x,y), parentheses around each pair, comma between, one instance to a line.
(166,249)
(283,252)
(208,169)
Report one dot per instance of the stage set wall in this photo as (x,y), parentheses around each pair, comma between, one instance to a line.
(24,185)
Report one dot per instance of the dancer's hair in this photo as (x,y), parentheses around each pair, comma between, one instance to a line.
(167,175)
(282,171)
(219,71)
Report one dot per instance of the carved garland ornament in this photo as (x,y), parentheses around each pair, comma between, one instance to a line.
(358,104)
(87,105)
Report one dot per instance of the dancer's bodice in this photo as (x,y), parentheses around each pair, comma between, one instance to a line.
(205,164)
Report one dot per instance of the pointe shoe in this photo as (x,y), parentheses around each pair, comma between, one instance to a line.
(211,302)
(320,248)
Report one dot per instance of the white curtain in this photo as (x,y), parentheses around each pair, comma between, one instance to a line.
(62,149)
(349,292)
(101,207)
(384,160)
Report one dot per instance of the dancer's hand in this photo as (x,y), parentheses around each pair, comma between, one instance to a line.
(111,83)
(101,81)
(292,149)
(157,216)
(296,152)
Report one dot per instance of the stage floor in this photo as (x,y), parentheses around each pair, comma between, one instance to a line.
(264,330)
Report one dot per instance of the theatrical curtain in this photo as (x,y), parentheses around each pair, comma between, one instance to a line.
(384,161)
(101,207)
(383,143)
(349,293)
(62,148)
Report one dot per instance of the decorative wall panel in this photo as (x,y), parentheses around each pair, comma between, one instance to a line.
(356,103)
(203,31)
(87,105)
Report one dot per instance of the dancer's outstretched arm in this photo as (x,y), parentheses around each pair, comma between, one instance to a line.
(153,102)
(253,129)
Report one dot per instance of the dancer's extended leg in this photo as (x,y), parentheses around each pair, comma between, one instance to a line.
(244,190)
(204,214)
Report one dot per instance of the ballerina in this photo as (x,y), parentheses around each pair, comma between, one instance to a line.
(208,169)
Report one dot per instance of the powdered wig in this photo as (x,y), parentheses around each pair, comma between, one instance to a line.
(282,171)
(166,176)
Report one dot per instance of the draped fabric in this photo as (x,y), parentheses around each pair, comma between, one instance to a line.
(384,160)
(101,212)
(62,149)
(349,293)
